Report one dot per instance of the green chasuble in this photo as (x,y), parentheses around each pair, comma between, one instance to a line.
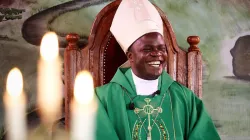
(174,114)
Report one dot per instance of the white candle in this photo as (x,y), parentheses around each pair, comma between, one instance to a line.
(15,106)
(83,108)
(49,80)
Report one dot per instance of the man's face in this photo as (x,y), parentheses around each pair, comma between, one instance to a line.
(147,56)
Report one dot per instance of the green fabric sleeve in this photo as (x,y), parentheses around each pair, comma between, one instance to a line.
(104,128)
(201,124)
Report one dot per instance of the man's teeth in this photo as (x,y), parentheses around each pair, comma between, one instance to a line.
(155,63)
(156,66)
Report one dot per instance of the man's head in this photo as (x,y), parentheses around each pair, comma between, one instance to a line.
(147,56)
(138,25)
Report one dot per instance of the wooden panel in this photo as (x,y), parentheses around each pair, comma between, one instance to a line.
(97,42)
(199,75)
(182,68)
(191,70)
(113,57)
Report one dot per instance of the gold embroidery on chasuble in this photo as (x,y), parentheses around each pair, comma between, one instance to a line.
(149,122)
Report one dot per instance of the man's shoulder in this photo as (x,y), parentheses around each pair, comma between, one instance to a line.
(181,90)
(107,88)
(178,86)
(107,92)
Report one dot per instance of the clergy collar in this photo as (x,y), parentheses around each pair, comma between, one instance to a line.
(138,79)
(144,87)
(123,77)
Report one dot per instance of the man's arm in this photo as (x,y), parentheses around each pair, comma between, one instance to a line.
(201,124)
(104,128)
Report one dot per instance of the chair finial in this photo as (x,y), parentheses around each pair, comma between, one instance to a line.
(72,39)
(193,41)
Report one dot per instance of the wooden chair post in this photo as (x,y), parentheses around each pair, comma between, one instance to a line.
(194,66)
(71,63)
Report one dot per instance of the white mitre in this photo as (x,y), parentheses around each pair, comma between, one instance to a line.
(133,19)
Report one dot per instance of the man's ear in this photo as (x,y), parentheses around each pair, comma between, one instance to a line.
(129,56)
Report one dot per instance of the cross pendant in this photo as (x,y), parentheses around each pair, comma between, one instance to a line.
(148,109)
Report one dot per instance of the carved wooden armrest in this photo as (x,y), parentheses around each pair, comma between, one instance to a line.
(71,67)
(194,65)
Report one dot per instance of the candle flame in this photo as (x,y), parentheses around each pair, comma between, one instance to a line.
(14,82)
(49,46)
(84,88)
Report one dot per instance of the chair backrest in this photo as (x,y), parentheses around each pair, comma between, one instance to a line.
(103,55)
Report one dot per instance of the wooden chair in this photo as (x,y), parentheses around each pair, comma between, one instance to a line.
(103,55)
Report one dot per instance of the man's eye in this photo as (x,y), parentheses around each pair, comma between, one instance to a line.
(146,50)
(163,49)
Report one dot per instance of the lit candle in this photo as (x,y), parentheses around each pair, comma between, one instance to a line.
(49,80)
(15,106)
(83,108)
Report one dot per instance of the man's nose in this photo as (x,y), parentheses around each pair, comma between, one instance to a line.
(155,53)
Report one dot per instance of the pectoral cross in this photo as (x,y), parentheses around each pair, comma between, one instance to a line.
(148,109)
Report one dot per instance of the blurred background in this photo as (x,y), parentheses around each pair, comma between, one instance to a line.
(222,25)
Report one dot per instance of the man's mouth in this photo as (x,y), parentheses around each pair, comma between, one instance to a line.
(155,64)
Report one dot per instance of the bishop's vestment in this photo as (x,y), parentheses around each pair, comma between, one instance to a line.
(176,113)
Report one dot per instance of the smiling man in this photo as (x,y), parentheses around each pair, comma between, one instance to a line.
(147,56)
(142,101)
